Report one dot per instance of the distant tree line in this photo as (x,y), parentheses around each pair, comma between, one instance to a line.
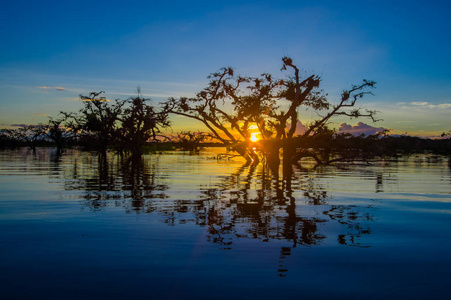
(348,146)
(326,145)
(123,125)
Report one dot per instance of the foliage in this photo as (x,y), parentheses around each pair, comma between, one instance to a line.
(231,105)
(31,135)
(125,125)
(8,138)
(56,133)
(98,118)
(191,140)
(139,123)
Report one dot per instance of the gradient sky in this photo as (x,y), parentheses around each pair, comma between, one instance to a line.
(52,51)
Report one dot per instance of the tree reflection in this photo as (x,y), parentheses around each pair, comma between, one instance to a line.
(250,205)
(267,215)
(116,181)
(247,204)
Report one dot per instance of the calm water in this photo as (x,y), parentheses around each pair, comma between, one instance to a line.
(182,226)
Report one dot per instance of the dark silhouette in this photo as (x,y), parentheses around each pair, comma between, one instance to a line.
(97,121)
(191,140)
(125,125)
(269,108)
(57,134)
(328,145)
(139,122)
(31,135)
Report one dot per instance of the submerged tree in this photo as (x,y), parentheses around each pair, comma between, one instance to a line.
(96,122)
(124,125)
(100,118)
(140,122)
(191,140)
(31,135)
(56,133)
(237,109)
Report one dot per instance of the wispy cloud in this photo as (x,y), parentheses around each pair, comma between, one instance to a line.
(430,105)
(41,115)
(99,100)
(47,88)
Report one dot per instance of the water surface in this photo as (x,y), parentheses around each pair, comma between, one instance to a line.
(183,226)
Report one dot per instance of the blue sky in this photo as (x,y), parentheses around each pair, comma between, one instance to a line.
(52,51)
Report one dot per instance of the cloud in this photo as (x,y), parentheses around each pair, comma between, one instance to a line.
(419,103)
(19,125)
(359,128)
(300,128)
(58,88)
(430,105)
(99,100)
(41,115)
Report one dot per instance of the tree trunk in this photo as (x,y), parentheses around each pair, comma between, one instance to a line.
(288,153)
(273,159)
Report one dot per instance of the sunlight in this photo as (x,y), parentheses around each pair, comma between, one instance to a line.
(255,134)
(254,137)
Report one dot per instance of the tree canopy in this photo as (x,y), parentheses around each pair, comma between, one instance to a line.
(125,125)
(236,109)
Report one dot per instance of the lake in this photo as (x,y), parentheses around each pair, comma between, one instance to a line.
(181,226)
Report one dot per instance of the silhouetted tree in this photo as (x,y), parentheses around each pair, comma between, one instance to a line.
(100,118)
(7,138)
(125,125)
(139,122)
(56,133)
(31,135)
(209,108)
(230,106)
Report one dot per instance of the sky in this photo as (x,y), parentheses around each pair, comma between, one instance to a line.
(53,51)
